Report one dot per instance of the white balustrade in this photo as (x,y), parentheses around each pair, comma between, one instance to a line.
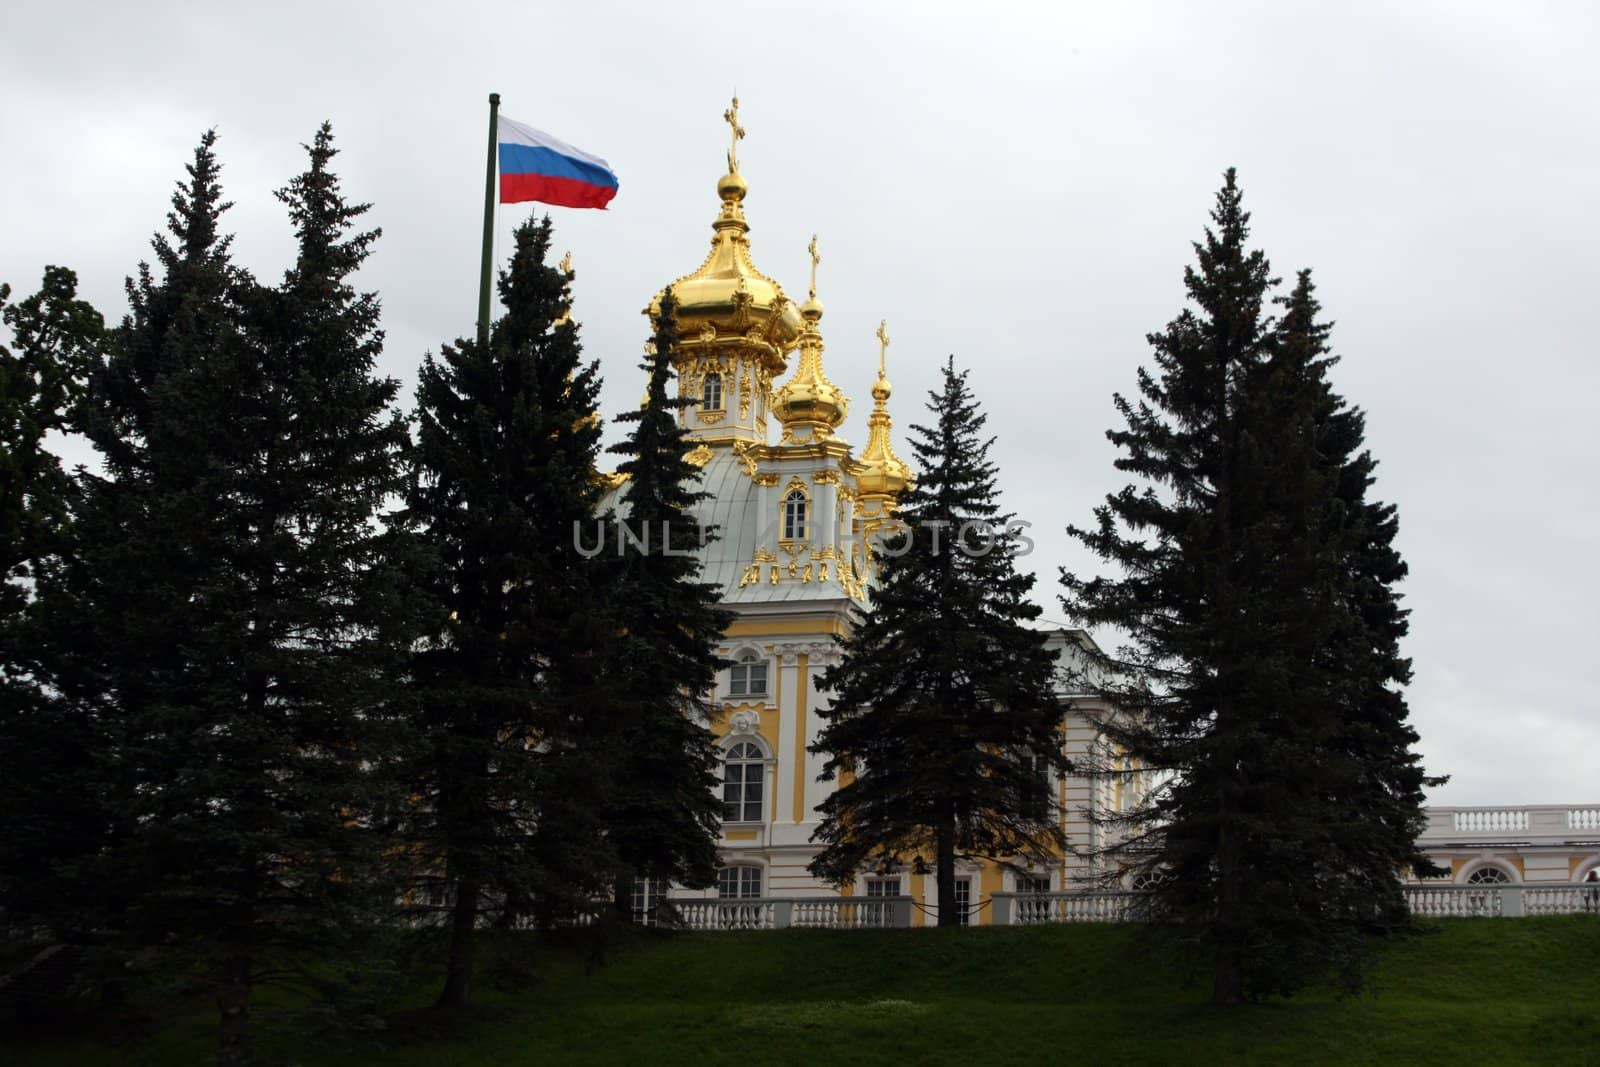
(1491,820)
(1583,819)
(779,913)
(1454,901)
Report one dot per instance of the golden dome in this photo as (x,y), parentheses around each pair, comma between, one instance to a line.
(879,472)
(809,406)
(727,299)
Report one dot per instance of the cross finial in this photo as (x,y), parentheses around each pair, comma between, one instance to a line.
(566,263)
(815,259)
(731,117)
(883,344)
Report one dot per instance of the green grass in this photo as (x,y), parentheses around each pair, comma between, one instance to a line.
(1478,991)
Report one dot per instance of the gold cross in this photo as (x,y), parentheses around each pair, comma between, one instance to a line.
(883,343)
(566,263)
(815,259)
(731,117)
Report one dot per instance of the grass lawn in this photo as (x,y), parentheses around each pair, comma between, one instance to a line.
(1479,991)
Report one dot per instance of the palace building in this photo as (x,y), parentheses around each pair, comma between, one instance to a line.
(794,505)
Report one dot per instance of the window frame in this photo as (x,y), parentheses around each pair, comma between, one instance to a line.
(964,902)
(743,875)
(711,383)
(739,676)
(749,758)
(795,520)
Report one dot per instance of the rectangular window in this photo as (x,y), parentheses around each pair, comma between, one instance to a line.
(742,784)
(648,894)
(1033,885)
(739,883)
(883,887)
(964,901)
(748,680)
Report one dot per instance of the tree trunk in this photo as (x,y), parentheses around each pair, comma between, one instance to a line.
(234,1047)
(622,898)
(945,872)
(463,924)
(1227,975)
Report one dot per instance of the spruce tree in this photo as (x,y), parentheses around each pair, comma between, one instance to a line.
(943,703)
(1247,659)
(221,616)
(505,462)
(663,816)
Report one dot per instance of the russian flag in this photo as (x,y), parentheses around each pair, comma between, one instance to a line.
(536,166)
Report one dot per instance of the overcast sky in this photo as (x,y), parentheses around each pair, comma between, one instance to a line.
(1017,185)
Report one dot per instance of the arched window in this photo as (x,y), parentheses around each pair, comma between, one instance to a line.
(1488,876)
(744,771)
(796,517)
(711,392)
(748,676)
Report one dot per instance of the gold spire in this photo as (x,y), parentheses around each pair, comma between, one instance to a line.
(881,476)
(809,406)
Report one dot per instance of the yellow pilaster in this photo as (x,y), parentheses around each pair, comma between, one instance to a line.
(802,680)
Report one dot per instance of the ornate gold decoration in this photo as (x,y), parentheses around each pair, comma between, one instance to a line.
(609,479)
(815,259)
(881,476)
(769,478)
(743,452)
(826,477)
(711,415)
(809,406)
(762,555)
(731,117)
(727,304)
(699,456)
(566,263)
(744,395)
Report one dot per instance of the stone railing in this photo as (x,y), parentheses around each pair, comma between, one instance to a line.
(1510,901)
(1553,822)
(779,913)
(1036,909)
(1426,901)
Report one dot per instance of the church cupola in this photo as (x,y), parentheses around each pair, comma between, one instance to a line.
(809,406)
(736,326)
(881,476)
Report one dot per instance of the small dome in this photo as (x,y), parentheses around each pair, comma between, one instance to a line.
(809,399)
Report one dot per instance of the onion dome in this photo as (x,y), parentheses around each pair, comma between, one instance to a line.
(727,299)
(809,406)
(879,472)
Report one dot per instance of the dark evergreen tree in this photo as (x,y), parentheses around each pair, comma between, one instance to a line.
(505,476)
(1245,664)
(943,703)
(51,816)
(663,816)
(222,615)
(55,336)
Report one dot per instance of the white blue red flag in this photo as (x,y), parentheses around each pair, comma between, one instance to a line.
(536,166)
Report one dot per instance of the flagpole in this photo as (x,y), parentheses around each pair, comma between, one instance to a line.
(488,227)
